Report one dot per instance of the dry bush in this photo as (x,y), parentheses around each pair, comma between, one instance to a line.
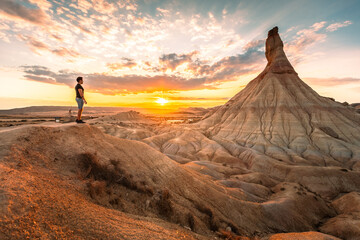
(191,221)
(97,188)
(204,209)
(94,169)
(164,204)
(111,174)
(213,222)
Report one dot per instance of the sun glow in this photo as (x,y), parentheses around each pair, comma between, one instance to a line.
(161,101)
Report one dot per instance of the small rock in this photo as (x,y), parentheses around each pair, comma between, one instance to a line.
(188,228)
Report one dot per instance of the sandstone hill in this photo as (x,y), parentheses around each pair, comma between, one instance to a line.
(280,116)
(129,125)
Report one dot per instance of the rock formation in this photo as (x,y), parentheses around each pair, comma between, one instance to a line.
(280,116)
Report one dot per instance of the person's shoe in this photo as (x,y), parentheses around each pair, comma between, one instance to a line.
(77,121)
(80,121)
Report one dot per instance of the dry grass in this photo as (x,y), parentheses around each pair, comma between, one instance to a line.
(213,222)
(110,174)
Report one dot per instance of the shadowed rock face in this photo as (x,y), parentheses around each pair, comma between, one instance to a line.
(280,116)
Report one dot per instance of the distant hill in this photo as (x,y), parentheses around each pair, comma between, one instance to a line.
(38,109)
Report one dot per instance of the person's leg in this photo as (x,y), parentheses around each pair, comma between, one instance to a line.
(79,114)
(80,103)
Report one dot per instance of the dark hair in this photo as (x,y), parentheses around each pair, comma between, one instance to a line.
(78,79)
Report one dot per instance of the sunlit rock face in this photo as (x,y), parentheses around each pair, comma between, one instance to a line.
(280,116)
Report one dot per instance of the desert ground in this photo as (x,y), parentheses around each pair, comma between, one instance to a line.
(277,161)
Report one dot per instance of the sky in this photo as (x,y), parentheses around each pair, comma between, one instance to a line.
(193,53)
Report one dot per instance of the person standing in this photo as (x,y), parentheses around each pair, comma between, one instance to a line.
(80,99)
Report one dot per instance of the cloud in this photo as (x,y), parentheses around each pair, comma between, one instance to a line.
(173,60)
(126,63)
(305,38)
(119,28)
(36,46)
(232,67)
(204,76)
(257,45)
(131,6)
(42,4)
(198,98)
(163,11)
(82,28)
(37,70)
(335,26)
(18,11)
(65,52)
(40,79)
(44,74)
(330,82)
(104,6)
(111,85)
(226,69)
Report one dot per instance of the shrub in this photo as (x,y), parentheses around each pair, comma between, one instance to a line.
(96,170)
(97,188)
(164,203)
(191,221)
(112,174)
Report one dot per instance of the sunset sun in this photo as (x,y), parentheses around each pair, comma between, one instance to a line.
(161,101)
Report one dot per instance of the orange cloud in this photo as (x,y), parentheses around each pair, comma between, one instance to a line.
(66,52)
(112,85)
(308,37)
(36,45)
(304,39)
(198,98)
(228,69)
(173,60)
(126,63)
(17,11)
(330,82)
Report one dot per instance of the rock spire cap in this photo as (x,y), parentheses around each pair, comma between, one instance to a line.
(274,52)
(273,31)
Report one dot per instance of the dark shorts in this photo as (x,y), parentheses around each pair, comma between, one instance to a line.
(80,103)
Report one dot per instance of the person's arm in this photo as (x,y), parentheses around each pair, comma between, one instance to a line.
(81,92)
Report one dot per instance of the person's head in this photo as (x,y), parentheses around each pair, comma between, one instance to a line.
(80,80)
